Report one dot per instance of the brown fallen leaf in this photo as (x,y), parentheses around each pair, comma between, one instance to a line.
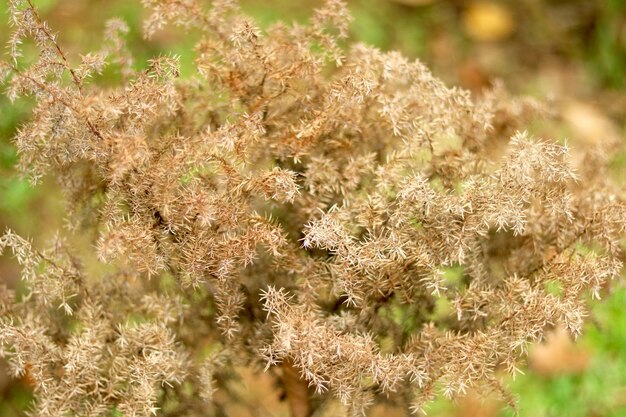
(297,390)
(255,395)
(588,124)
(558,354)
(382,410)
(472,76)
(474,405)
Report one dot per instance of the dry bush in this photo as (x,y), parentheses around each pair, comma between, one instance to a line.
(325,211)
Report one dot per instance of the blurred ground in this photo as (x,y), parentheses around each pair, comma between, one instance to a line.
(571,51)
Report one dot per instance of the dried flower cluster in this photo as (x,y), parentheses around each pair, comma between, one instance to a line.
(299,204)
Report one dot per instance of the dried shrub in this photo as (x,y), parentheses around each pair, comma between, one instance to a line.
(326,211)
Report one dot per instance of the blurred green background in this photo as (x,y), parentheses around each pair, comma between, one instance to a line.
(571,51)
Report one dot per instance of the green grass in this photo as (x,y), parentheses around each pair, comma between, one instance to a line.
(600,390)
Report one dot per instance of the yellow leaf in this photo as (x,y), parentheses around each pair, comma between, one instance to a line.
(488,21)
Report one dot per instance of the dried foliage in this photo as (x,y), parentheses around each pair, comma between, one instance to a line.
(329,212)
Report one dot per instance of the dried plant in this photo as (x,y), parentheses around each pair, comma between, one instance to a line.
(329,212)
